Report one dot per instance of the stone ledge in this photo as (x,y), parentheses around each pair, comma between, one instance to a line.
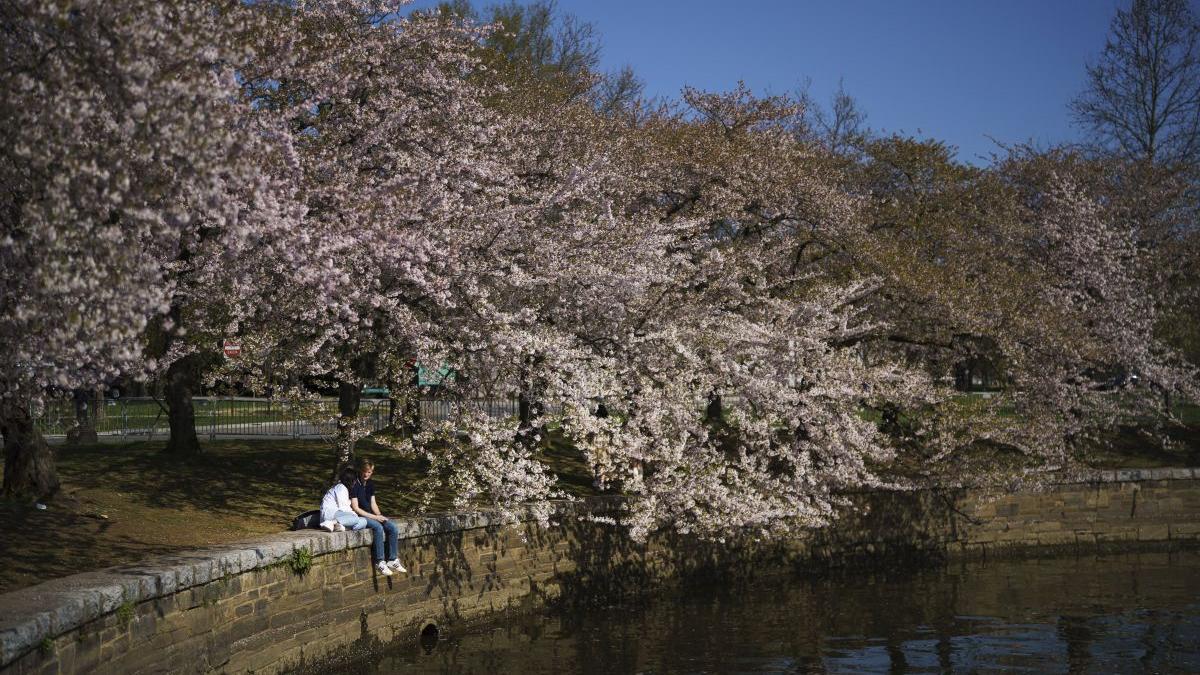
(1137,475)
(1083,477)
(56,607)
(52,608)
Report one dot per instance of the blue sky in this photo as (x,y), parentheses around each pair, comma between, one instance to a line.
(960,71)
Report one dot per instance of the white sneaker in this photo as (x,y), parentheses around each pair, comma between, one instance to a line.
(397,565)
(338,527)
(384,569)
(330,525)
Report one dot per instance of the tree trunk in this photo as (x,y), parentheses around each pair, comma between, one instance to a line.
(28,462)
(183,381)
(349,396)
(84,431)
(714,412)
(410,419)
(530,405)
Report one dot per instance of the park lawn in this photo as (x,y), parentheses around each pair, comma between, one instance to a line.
(123,502)
(120,503)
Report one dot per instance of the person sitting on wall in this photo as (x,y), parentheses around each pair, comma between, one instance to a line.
(362,500)
(336,512)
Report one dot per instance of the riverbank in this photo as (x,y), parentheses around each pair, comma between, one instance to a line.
(282,601)
(121,503)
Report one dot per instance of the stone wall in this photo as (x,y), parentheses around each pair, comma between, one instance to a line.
(289,600)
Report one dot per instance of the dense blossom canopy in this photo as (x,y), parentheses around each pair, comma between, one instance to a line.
(124,143)
(731,324)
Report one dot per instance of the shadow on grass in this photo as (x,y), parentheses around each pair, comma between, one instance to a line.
(122,502)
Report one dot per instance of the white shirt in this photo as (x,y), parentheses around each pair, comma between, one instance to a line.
(337,498)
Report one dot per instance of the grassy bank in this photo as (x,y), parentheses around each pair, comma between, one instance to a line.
(121,503)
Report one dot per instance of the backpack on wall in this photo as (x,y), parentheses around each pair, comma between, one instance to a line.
(307,521)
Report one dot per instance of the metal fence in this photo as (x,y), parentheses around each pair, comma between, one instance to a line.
(441,410)
(233,417)
(225,417)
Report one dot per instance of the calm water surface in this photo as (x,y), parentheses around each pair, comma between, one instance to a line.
(1119,613)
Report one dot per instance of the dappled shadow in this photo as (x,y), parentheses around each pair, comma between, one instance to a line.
(450,572)
(123,502)
(228,477)
(40,545)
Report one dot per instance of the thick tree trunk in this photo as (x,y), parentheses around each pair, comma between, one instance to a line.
(714,412)
(28,462)
(82,407)
(363,368)
(410,393)
(524,408)
(84,431)
(349,397)
(183,381)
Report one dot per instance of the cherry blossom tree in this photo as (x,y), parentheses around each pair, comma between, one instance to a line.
(732,324)
(395,154)
(1103,271)
(124,146)
(1049,267)
(654,273)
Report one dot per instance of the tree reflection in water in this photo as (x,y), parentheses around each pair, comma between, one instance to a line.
(1107,613)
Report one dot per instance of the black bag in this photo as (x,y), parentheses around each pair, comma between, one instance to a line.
(308,520)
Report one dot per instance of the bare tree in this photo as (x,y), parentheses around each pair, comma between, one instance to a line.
(841,128)
(619,92)
(539,41)
(1142,99)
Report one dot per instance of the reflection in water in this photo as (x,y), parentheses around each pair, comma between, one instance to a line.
(1097,614)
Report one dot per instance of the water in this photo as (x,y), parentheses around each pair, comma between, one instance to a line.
(1119,613)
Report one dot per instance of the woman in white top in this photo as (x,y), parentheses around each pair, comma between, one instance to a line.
(336,512)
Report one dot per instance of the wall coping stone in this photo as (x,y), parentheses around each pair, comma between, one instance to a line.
(57,606)
(1134,475)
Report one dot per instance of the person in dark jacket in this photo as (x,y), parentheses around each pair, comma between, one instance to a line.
(362,501)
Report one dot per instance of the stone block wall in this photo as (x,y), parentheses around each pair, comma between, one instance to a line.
(281,602)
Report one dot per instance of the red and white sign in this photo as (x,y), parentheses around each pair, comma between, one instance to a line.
(233,349)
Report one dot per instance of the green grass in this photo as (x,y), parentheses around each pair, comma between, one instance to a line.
(1189,413)
(122,502)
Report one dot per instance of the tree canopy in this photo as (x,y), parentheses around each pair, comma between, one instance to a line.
(769,311)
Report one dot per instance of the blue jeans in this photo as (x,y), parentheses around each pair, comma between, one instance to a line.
(350,520)
(377,538)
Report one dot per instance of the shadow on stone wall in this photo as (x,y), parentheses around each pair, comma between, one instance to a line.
(879,529)
(250,611)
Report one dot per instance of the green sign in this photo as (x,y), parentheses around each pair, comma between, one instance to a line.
(427,377)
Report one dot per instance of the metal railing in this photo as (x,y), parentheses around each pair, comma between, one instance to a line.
(439,410)
(233,417)
(215,417)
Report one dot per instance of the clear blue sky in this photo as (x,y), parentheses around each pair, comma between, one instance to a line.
(956,70)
